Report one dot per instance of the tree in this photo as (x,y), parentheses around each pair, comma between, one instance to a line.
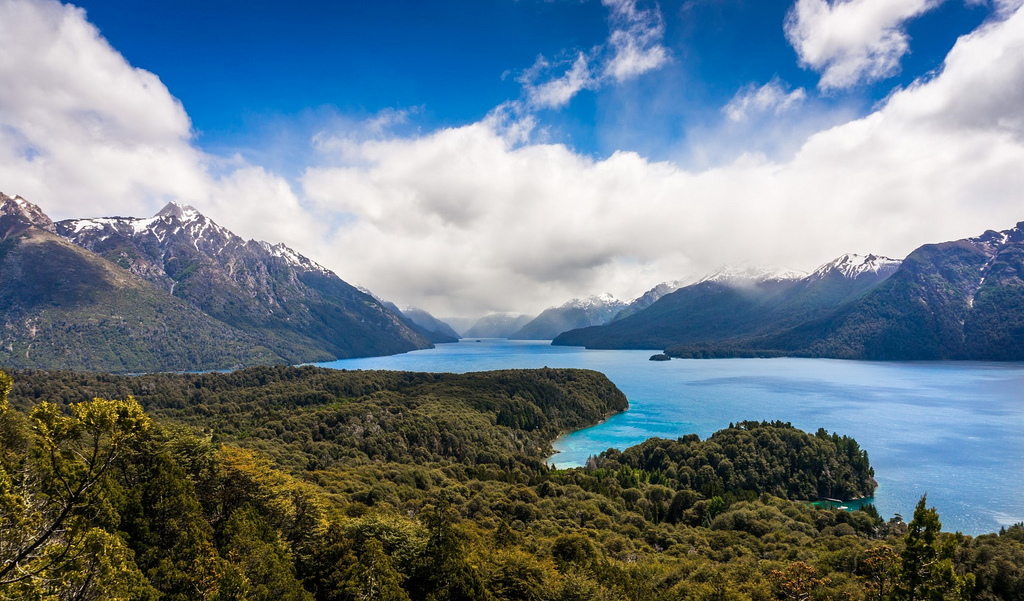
(878,569)
(926,570)
(798,581)
(375,578)
(448,572)
(44,497)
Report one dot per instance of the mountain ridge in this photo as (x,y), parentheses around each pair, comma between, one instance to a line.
(121,288)
(597,309)
(289,302)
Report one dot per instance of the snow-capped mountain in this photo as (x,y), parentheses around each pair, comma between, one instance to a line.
(64,307)
(853,266)
(651,296)
(739,301)
(577,313)
(24,211)
(174,226)
(292,302)
(743,274)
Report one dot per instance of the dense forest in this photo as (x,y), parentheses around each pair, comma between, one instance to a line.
(303,483)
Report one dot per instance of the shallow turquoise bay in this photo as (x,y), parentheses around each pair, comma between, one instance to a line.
(953,430)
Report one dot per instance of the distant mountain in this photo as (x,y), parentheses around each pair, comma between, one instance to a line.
(63,307)
(425,324)
(736,303)
(431,324)
(955,300)
(497,325)
(577,313)
(650,297)
(460,324)
(295,307)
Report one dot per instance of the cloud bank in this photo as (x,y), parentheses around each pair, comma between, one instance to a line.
(472,219)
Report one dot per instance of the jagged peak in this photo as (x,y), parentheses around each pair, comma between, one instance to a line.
(661,290)
(743,273)
(282,251)
(180,211)
(30,212)
(605,299)
(852,265)
(1014,234)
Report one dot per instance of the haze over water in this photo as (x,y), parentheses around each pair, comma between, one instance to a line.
(952,430)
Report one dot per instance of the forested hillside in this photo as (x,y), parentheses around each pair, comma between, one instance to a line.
(303,483)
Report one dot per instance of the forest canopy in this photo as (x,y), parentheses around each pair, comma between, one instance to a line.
(304,483)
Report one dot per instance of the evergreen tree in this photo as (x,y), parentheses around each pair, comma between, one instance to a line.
(926,570)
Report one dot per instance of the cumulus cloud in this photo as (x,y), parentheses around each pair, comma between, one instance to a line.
(773,97)
(462,221)
(852,41)
(634,47)
(83,133)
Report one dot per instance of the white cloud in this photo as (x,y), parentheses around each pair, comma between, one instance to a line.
(556,93)
(852,41)
(773,97)
(634,47)
(461,221)
(635,40)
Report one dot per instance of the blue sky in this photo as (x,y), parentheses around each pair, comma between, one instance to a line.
(503,155)
(251,73)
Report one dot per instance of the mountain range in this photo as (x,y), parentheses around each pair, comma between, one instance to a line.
(577,313)
(955,300)
(497,325)
(175,291)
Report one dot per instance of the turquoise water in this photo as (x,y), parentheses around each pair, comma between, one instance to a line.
(953,430)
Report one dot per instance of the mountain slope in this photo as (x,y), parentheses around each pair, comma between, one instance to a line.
(64,307)
(650,297)
(955,300)
(734,305)
(292,305)
(726,303)
(431,324)
(577,313)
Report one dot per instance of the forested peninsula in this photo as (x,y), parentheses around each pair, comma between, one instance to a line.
(306,483)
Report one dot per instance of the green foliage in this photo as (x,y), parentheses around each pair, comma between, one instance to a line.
(186,512)
(748,458)
(54,495)
(926,570)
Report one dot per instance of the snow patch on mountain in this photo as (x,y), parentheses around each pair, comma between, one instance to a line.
(852,266)
(294,258)
(19,207)
(743,274)
(598,301)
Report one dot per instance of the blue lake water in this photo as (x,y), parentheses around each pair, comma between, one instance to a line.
(952,430)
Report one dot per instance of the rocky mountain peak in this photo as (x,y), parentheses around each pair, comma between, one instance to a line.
(180,212)
(852,266)
(16,206)
(604,299)
(746,274)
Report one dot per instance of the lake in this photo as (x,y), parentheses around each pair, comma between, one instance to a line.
(954,430)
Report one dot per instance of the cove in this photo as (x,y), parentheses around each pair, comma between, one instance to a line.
(953,430)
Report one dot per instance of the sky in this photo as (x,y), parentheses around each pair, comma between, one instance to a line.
(473,156)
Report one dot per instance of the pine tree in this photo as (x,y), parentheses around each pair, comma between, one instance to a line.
(926,570)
